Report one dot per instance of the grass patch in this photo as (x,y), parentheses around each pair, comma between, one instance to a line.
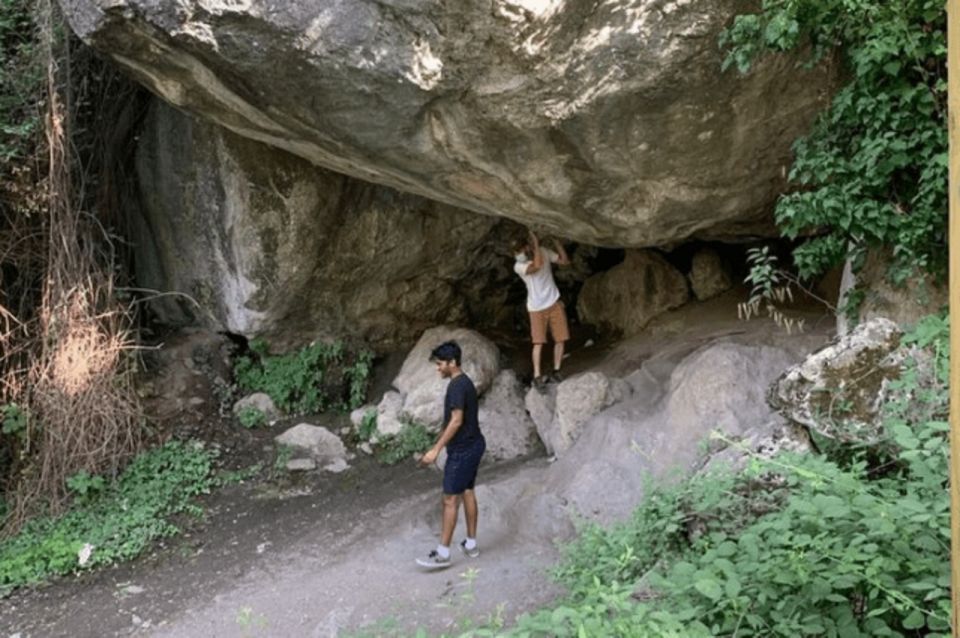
(114,522)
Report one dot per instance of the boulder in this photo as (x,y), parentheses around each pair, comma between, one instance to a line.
(389,422)
(708,275)
(540,405)
(612,123)
(578,399)
(422,387)
(258,401)
(838,390)
(316,441)
(659,434)
(918,295)
(626,297)
(507,427)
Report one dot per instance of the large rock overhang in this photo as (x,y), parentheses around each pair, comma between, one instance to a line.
(607,123)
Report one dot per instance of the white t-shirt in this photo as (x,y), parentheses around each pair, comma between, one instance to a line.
(542,291)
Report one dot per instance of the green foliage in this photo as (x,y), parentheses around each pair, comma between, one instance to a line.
(312,379)
(118,520)
(284,454)
(814,545)
(873,169)
(250,417)
(411,439)
(13,420)
(358,375)
(21,79)
(85,487)
(368,425)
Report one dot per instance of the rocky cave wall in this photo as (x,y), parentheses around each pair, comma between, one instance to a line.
(351,168)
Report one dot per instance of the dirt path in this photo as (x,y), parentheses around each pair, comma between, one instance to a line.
(326,558)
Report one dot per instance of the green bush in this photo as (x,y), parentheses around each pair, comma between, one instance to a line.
(312,379)
(872,170)
(118,520)
(250,417)
(21,80)
(842,544)
(411,439)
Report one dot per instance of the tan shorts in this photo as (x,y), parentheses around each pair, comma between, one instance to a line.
(554,318)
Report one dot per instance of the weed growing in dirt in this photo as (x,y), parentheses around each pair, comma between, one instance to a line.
(110,522)
(250,622)
(250,417)
(315,378)
(411,439)
(368,426)
(284,454)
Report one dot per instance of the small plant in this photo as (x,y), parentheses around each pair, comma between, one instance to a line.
(13,420)
(85,487)
(284,454)
(368,425)
(359,376)
(413,438)
(250,622)
(250,417)
(771,288)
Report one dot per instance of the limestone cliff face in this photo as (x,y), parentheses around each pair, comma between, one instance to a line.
(265,243)
(609,123)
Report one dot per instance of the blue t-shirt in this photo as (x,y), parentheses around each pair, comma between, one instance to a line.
(462,395)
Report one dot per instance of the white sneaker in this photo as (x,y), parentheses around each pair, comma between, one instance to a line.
(434,560)
(472,553)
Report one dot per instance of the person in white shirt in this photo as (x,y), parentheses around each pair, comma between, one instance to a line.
(534,264)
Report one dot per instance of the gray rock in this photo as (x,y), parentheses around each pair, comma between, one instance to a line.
(626,297)
(578,399)
(259,401)
(388,414)
(837,391)
(708,275)
(508,429)
(337,466)
(612,123)
(301,465)
(540,405)
(920,294)
(719,386)
(420,384)
(315,440)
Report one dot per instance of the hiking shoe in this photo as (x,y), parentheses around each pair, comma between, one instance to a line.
(434,560)
(556,377)
(540,383)
(472,553)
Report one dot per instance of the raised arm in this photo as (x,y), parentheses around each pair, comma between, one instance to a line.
(537,262)
(563,257)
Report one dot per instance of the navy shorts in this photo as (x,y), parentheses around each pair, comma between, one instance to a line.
(460,471)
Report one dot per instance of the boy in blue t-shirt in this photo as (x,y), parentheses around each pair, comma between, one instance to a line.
(465,447)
